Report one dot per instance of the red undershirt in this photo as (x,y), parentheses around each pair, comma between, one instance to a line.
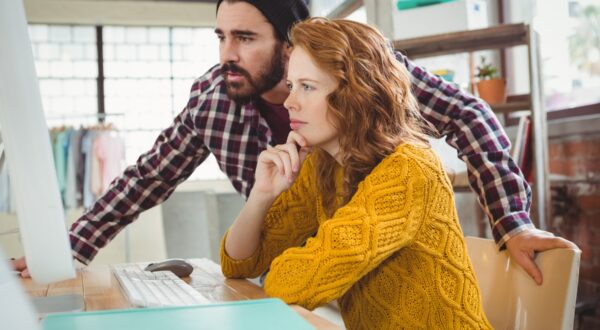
(277,118)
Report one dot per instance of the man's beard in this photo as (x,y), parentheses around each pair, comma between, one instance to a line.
(268,77)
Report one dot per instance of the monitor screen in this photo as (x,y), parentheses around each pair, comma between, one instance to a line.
(28,153)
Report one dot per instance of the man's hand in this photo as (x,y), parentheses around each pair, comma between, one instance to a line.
(20,265)
(524,245)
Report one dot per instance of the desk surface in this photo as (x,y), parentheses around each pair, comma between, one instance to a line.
(101,290)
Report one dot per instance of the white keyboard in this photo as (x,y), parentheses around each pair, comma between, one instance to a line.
(163,288)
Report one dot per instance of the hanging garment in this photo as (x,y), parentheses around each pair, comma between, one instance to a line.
(109,148)
(87,153)
(72,195)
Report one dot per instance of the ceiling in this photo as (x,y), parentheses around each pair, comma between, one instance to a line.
(122,12)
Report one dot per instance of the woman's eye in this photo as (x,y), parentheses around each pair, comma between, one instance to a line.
(307,87)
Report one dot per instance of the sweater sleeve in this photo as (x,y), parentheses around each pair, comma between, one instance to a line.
(383,216)
(290,221)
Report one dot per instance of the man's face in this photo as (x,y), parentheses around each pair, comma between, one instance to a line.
(252,58)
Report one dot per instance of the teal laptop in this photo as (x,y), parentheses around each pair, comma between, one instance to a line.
(246,314)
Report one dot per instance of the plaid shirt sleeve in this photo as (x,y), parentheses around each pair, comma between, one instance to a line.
(177,151)
(473,130)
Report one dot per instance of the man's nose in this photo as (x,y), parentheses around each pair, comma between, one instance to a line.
(229,52)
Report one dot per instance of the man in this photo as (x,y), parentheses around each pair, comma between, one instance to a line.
(235,110)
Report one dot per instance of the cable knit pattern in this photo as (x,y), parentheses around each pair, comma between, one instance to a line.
(394,256)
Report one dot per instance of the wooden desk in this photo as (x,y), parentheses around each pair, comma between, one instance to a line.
(101,290)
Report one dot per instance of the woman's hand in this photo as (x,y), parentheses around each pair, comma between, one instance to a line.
(276,170)
(278,166)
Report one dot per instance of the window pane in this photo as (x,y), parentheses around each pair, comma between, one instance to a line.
(570,51)
(65,60)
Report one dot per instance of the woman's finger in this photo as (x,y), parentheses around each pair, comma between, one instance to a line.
(271,156)
(296,138)
(292,150)
(286,160)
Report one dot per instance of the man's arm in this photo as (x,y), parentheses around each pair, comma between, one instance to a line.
(473,130)
(177,151)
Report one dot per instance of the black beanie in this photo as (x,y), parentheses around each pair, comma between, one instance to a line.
(282,14)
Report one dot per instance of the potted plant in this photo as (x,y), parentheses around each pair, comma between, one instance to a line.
(490,86)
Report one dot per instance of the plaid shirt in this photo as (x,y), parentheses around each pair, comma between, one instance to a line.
(212,123)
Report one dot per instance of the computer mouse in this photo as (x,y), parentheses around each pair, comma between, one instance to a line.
(179,267)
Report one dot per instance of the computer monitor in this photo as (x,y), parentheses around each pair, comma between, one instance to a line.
(16,311)
(28,153)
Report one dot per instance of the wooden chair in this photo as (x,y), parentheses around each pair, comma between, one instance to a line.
(512,299)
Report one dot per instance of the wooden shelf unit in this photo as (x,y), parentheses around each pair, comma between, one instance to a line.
(497,37)
(513,103)
(501,37)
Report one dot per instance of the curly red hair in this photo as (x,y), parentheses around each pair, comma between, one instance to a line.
(372,108)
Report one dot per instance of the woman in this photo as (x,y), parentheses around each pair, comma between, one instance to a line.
(368,216)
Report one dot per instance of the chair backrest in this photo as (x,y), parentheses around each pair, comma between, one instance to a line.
(511,298)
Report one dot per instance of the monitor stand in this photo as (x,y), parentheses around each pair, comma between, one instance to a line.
(58,304)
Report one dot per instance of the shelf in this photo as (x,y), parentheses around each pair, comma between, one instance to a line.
(513,103)
(560,179)
(497,37)
(510,107)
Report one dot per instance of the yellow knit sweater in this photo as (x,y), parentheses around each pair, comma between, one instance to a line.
(394,256)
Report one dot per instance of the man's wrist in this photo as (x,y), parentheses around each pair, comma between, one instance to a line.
(509,226)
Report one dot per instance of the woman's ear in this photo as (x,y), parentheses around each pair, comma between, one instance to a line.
(287,49)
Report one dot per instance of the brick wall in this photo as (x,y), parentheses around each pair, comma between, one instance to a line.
(578,216)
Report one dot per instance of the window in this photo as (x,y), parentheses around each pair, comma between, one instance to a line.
(148,72)
(570,51)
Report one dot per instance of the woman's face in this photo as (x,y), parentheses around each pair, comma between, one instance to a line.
(309,87)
